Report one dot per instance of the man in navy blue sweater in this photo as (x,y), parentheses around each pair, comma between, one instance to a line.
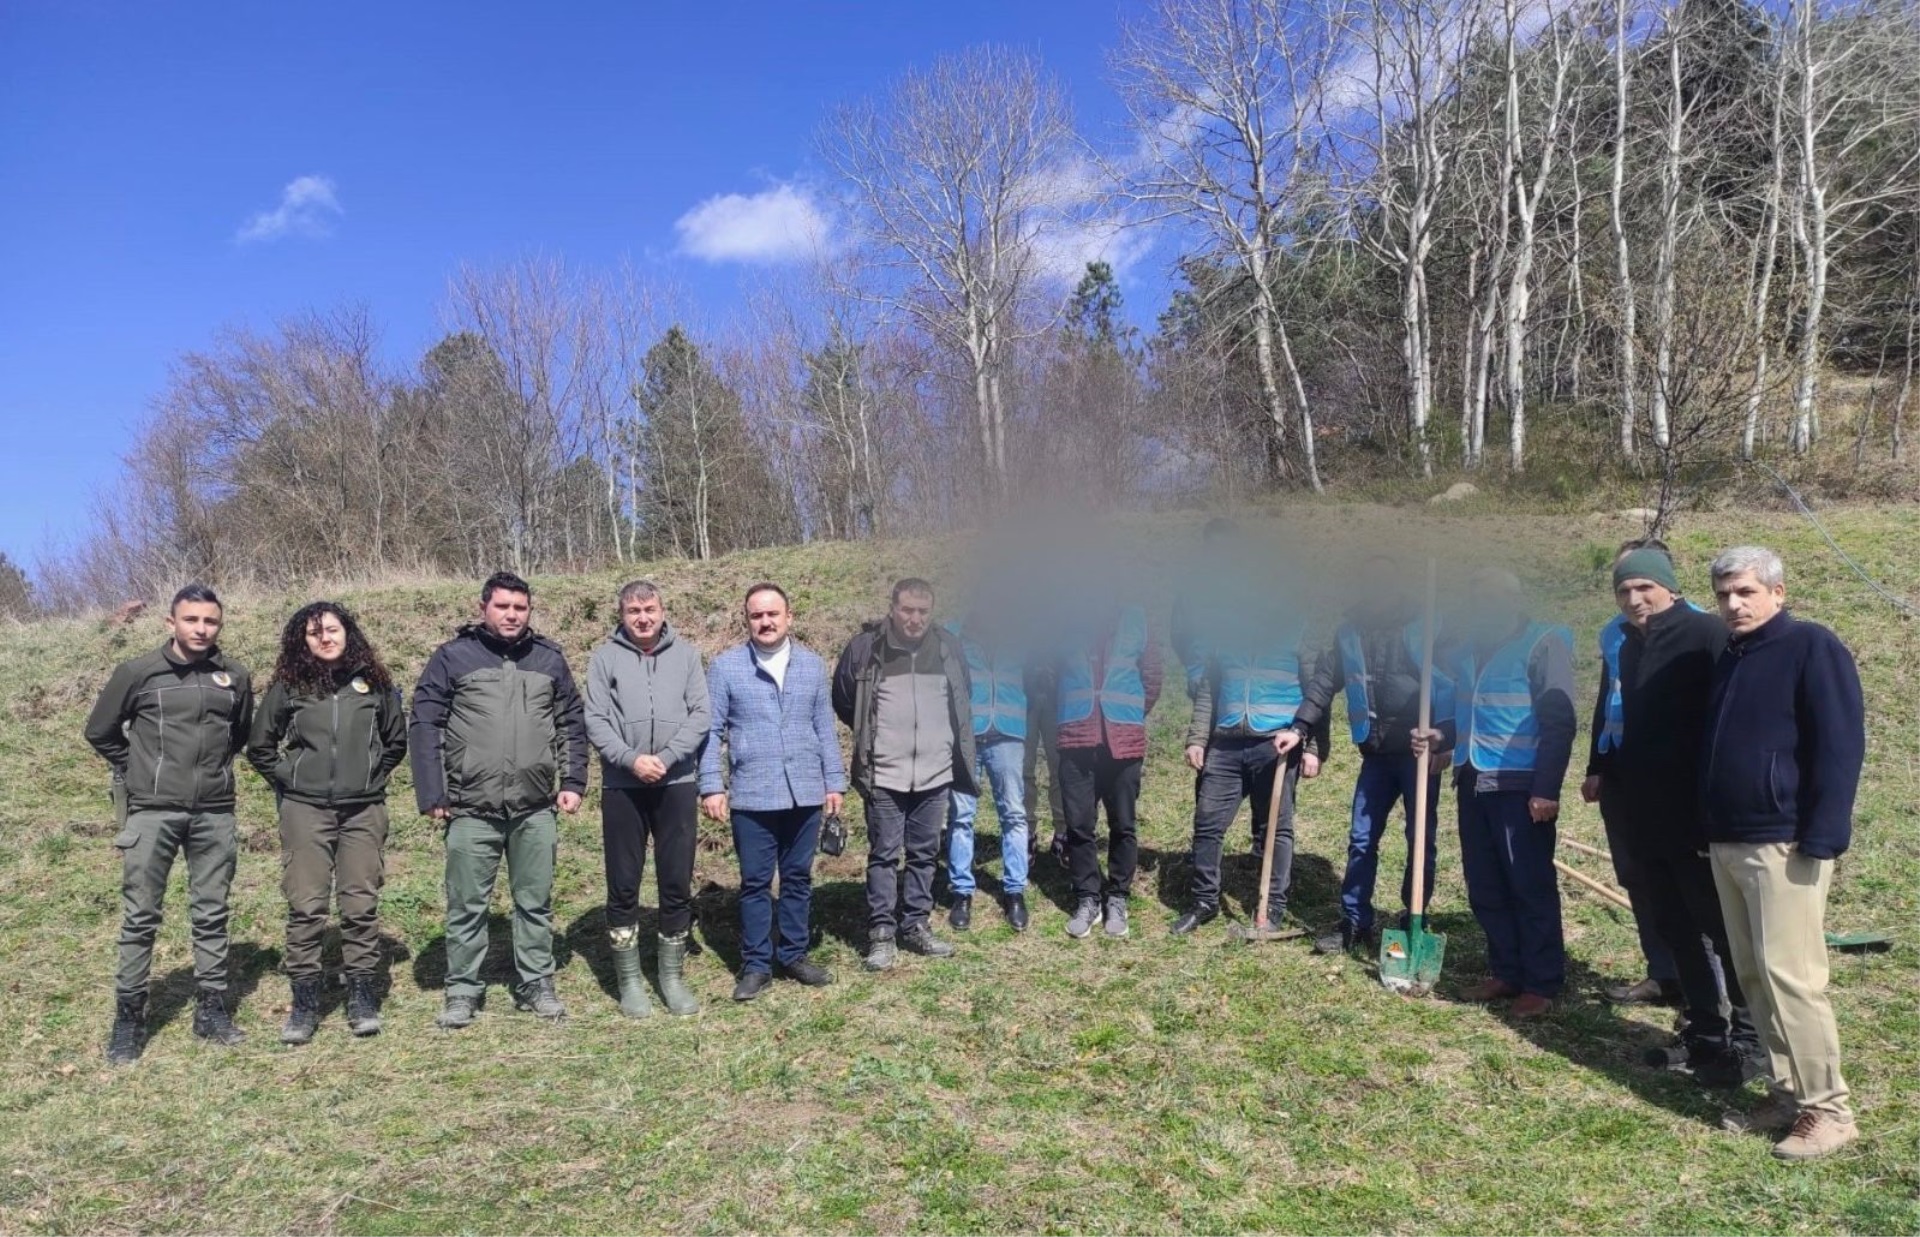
(1786,736)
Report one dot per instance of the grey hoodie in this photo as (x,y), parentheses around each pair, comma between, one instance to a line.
(651,704)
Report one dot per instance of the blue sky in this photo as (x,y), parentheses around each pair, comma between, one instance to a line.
(173,168)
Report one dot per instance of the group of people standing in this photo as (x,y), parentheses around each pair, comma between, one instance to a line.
(1725,755)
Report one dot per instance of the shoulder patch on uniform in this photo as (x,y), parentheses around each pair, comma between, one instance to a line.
(360,685)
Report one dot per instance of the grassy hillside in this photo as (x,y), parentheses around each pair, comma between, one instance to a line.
(1028,1084)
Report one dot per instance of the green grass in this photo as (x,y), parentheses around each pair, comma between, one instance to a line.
(1029,1084)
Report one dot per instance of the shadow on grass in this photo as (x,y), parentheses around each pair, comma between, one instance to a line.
(496,965)
(173,994)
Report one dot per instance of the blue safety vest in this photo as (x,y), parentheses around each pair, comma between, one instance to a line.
(1258,691)
(1613,637)
(1353,660)
(1123,694)
(1496,729)
(999,690)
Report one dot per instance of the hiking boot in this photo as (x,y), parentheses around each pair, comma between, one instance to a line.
(128,1039)
(1715,1065)
(1815,1134)
(1014,906)
(1773,1115)
(960,915)
(672,964)
(1204,913)
(808,973)
(303,1017)
(1339,941)
(363,1005)
(1530,1005)
(457,1013)
(634,1002)
(751,985)
(881,953)
(537,997)
(1673,1054)
(211,1021)
(1490,990)
(1085,913)
(919,939)
(1646,992)
(1116,925)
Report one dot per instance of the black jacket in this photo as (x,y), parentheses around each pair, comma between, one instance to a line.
(1392,669)
(331,750)
(1786,739)
(1666,676)
(498,728)
(856,700)
(171,729)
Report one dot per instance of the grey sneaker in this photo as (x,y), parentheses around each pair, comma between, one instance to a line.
(1085,915)
(458,1013)
(539,999)
(1116,917)
(920,939)
(881,953)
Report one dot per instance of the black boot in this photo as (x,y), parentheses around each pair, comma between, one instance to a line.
(960,916)
(303,1018)
(1338,941)
(129,1036)
(212,1021)
(363,1005)
(1204,913)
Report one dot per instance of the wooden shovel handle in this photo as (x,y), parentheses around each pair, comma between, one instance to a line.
(1606,891)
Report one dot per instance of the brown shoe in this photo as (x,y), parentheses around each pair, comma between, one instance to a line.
(1815,1134)
(1490,990)
(1530,1005)
(1773,1115)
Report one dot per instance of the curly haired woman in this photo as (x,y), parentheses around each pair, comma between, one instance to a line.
(328,732)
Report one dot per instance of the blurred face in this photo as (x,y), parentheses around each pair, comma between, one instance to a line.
(195,626)
(912,614)
(1640,600)
(506,614)
(768,618)
(1746,604)
(327,638)
(643,617)
(1379,582)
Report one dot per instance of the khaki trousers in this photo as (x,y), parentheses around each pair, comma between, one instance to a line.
(1775,901)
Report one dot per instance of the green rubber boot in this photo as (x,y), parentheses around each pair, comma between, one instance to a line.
(673,976)
(634,1002)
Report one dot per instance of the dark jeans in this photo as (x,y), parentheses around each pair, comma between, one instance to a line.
(1513,889)
(1237,769)
(1090,777)
(668,814)
(326,853)
(1685,908)
(1386,779)
(769,842)
(1629,869)
(908,821)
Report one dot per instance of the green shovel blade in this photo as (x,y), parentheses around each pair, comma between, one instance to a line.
(1410,961)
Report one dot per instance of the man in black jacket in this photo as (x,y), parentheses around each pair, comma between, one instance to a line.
(1786,729)
(901,686)
(1649,728)
(170,723)
(498,729)
(1375,660)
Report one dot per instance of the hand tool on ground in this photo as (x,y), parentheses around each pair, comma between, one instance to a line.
(1410,961)
(1262,929)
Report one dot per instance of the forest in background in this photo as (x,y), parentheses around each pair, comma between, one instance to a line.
(1642,239)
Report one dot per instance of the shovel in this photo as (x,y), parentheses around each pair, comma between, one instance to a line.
(1410,960)
(1860,942)
(1262,930)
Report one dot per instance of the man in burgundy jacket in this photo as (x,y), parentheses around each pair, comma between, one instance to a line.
(1104,687)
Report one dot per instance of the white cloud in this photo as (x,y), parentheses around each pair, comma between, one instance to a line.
(1064,248)
(308,207)
(780,224)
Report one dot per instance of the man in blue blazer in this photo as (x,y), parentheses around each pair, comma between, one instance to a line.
(773,713)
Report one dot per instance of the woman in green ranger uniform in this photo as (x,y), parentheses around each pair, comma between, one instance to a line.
(328,732)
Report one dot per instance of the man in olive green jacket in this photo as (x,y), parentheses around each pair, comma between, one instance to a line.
(170,723)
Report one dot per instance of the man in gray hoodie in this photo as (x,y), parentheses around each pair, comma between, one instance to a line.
(648,716)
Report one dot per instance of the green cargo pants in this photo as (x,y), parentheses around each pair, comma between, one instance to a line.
(474,847)
(327,852)
(147,844)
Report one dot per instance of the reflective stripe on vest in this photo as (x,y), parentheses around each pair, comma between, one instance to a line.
(1260,692)
(1123,694)
(999,691)
(1496,728)
(1613,637)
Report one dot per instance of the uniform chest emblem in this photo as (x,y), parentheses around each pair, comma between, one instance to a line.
(222,679)
(360,685)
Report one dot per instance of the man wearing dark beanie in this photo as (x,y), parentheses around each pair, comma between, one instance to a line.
(1649,730)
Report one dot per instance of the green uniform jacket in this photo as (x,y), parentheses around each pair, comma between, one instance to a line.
(171,729)
(334,750)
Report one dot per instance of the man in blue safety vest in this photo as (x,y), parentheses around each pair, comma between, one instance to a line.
(998,673)
(1375,662)
(1514,725)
